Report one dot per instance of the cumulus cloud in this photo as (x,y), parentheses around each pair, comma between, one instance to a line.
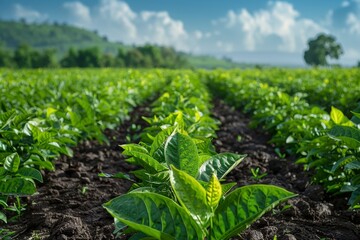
(28,14)
(354,23)
(79,12)
(116,20)
(226,47)
(340,16)
(279,26)
(159,27)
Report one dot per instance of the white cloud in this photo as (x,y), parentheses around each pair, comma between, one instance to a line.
(354,23)
(279,26)
(160,28)
(226,47)
(116,20)
(345,4)
(79,12)
(28,14)
(198,35)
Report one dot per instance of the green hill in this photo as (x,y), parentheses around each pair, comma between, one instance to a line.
(63,36)
(57,36)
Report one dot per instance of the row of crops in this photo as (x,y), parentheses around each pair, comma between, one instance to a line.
(44,113)
(327,87)
(180,194)
(329,143)
(180,188)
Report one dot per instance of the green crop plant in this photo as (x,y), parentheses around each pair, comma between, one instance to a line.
(256,174)
(325,142)
(182,193)
(195,204)
(183,151)
(336,156)
(43,113)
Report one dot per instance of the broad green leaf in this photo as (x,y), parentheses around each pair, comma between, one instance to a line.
(30,173)
(227,187)
(3,217)
(119,227)
(154,215)
(3,146)
(36,160)
(349,135)
(179,120)
(12,162)
(119,175)
(6,118)
(191,195)
(213,192)
(221,164)
(355,197)
(181,151)
(349,188)
(341,162)
(2,171)
(353,165)
(356,118)
(145,160)
(17,186)
(339,118)
(140,236)
(160,139)
(243,206)
(206,147)
(133,147)
(50,111)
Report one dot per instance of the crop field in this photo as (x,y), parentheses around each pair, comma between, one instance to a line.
(180,154)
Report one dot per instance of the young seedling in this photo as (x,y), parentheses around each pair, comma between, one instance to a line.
(17,207)
(256,175)
(6,234)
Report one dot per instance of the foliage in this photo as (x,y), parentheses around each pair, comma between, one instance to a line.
(62,37)
(180,195)
(320,48)
(43,113)
(322,141)
(200,212)
(336,156)
(58,36)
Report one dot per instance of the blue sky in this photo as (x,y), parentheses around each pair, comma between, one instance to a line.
(274,32)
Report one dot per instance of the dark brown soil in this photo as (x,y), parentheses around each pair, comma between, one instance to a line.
(312,215)
(68,205)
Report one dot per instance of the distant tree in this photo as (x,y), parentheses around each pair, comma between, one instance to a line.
(107,60)
(120,58)
(5,58)
(70,59)
(172,59)
(134,58)
(320,48)
(22,56)
(89,57)
(153,55)
(358,65)
(44,59)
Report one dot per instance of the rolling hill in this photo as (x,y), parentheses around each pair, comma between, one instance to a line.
(62,36)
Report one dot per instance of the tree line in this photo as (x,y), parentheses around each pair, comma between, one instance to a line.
(147,56)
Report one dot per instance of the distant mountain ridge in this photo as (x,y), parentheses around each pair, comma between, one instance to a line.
(57,36)
(62,36)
